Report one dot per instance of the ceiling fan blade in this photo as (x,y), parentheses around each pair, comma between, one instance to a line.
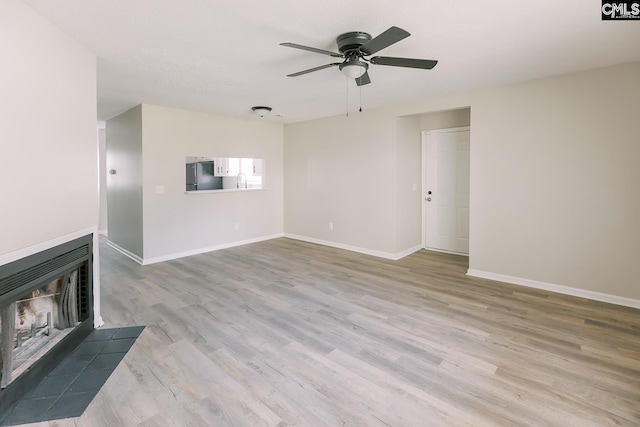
(311,70)
(425,64)
(313,49)
(386,39)
(364,79)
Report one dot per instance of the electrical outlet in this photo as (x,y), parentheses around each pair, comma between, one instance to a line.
(236,226)
(331,226)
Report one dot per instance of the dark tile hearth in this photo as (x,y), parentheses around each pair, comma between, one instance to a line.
(71,386)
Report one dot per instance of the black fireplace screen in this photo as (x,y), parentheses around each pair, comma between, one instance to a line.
(37,321)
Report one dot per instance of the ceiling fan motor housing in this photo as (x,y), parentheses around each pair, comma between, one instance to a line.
(351,41)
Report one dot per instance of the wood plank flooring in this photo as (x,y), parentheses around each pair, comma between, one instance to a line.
(287,333)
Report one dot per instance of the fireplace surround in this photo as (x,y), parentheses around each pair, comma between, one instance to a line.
(68,265)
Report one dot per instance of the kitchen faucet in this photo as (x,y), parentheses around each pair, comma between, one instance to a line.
(238,180)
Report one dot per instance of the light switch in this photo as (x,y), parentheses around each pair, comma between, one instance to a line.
(159,189)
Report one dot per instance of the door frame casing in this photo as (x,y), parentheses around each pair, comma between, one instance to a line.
(424,184)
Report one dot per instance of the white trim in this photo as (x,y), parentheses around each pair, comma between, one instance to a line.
(445,252)
(423,194)
(95,266)
(124,251)
(170,257)
(97,321)
(104,233)
(567,290)
(47,244)
(154,260)
(407,252)
(379,254)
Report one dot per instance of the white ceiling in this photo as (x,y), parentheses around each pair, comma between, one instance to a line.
(223,56)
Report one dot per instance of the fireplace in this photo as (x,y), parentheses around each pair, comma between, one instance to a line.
(46,309)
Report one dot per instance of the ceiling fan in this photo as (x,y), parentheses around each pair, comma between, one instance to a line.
(356,46)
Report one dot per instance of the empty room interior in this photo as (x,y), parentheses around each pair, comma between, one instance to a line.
(357,213)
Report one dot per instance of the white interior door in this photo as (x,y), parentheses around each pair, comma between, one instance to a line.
(446,190)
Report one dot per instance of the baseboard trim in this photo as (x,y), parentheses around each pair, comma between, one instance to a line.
(379,254)
(567,290)
(407,252)
(154,260)
(98,322)
(445,252)
(125,252)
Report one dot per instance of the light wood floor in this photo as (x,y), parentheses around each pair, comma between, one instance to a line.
(285,333)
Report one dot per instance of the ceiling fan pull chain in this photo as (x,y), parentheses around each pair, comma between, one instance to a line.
(347,100)
(360,98)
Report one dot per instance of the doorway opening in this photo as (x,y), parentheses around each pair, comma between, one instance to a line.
(446,182)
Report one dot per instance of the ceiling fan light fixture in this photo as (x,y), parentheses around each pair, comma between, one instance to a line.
(354,46)
(261,110)
(354,68)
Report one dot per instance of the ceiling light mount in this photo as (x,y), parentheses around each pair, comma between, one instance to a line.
(261,110)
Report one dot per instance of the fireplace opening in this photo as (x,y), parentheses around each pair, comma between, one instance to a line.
(37,321)
(46,309)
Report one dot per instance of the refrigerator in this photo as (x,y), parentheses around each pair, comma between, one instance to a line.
(200,176)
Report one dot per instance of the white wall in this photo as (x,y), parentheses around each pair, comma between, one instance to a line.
(408,184)
(102,172)
(554,179)
(48,143)
(124,188)
(343,170)
(555,176)
(445,119)
(176,223)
